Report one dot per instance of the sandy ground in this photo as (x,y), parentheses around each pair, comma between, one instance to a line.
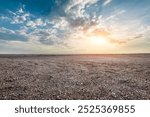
(75,77)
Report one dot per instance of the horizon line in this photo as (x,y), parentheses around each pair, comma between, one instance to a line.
(75,54)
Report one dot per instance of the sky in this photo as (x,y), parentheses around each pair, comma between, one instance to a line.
(74,26)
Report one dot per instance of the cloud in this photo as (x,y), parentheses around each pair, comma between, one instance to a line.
(115,15)
(5,18)
(106,2)
(79,9)
(39,22)
(20,16)
(31,24)
(11,36)
(76,7)
(35,23)
(73,23)
(77,16)
(7,31)
(44,36)
(60,23)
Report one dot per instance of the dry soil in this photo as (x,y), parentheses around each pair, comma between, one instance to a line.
(75,77)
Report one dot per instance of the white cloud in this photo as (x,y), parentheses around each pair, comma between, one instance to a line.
(115,15)
(23,31)
(60,23)
(17,19)
(107,2)
(83,17)
(35,23)
(126,30)
(19,16)
(76,7)
(31,24)
(21,10)
(39,22)
(4,18)
(7,31)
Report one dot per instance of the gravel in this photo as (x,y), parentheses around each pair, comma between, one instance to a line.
(47,77)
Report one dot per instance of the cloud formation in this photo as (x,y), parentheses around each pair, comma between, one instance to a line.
(62,24)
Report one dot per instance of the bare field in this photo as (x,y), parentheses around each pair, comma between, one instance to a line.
(75,77)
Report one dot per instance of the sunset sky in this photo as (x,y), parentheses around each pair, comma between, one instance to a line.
(74,26)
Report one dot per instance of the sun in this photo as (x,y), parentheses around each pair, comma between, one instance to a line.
(98,40)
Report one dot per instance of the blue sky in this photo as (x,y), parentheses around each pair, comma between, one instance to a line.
(74,26)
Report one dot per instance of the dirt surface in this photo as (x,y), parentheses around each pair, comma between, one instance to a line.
(75,77)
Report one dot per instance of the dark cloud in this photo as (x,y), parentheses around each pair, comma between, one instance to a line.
(76,22)
(46,41)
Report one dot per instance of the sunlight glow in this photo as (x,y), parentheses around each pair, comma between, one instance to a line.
(98,40)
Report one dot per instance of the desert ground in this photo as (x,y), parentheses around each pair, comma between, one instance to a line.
(44,77)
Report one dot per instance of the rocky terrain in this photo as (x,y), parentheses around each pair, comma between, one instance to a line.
(114,77)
